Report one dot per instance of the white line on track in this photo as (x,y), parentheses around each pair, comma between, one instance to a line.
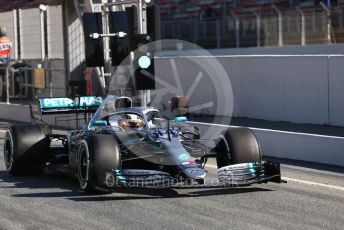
(314,183)
(301,181)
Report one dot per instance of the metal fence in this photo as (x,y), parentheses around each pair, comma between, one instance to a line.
(294,27)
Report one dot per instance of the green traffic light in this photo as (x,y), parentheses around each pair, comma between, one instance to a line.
(144,62)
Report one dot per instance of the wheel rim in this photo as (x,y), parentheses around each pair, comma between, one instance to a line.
(8,156)
(83,165)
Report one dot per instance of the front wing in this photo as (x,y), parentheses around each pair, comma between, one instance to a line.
(229,176)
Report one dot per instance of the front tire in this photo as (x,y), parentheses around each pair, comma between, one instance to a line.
(98,156)
(237,145)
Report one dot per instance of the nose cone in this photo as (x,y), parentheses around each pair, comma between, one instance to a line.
(195,172)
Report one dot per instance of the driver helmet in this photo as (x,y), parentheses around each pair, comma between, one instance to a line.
(136,124)
(123,124)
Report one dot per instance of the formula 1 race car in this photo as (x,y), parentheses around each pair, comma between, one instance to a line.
(124,146)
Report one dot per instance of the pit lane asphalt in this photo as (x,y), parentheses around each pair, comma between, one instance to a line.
(54,201)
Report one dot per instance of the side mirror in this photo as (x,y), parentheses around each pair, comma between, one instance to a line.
(100,123)
(181,119)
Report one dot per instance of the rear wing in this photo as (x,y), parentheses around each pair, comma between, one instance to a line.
(60,105)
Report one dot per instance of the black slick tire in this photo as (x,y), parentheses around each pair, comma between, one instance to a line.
(98,156)
(26,148)
(237,145)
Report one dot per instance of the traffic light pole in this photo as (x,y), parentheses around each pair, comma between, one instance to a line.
(142,29)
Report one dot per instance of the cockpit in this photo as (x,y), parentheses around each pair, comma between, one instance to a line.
(118,113)
(126,121)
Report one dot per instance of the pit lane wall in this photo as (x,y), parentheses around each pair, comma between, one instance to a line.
(293,88)
(290,145)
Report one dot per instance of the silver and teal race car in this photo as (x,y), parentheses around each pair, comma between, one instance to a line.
(124,146)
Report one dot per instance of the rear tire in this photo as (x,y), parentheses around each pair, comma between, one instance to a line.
(237,145)
(25,149)
(99,155)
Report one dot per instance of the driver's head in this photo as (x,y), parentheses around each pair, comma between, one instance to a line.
(136,124)
(123,124)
